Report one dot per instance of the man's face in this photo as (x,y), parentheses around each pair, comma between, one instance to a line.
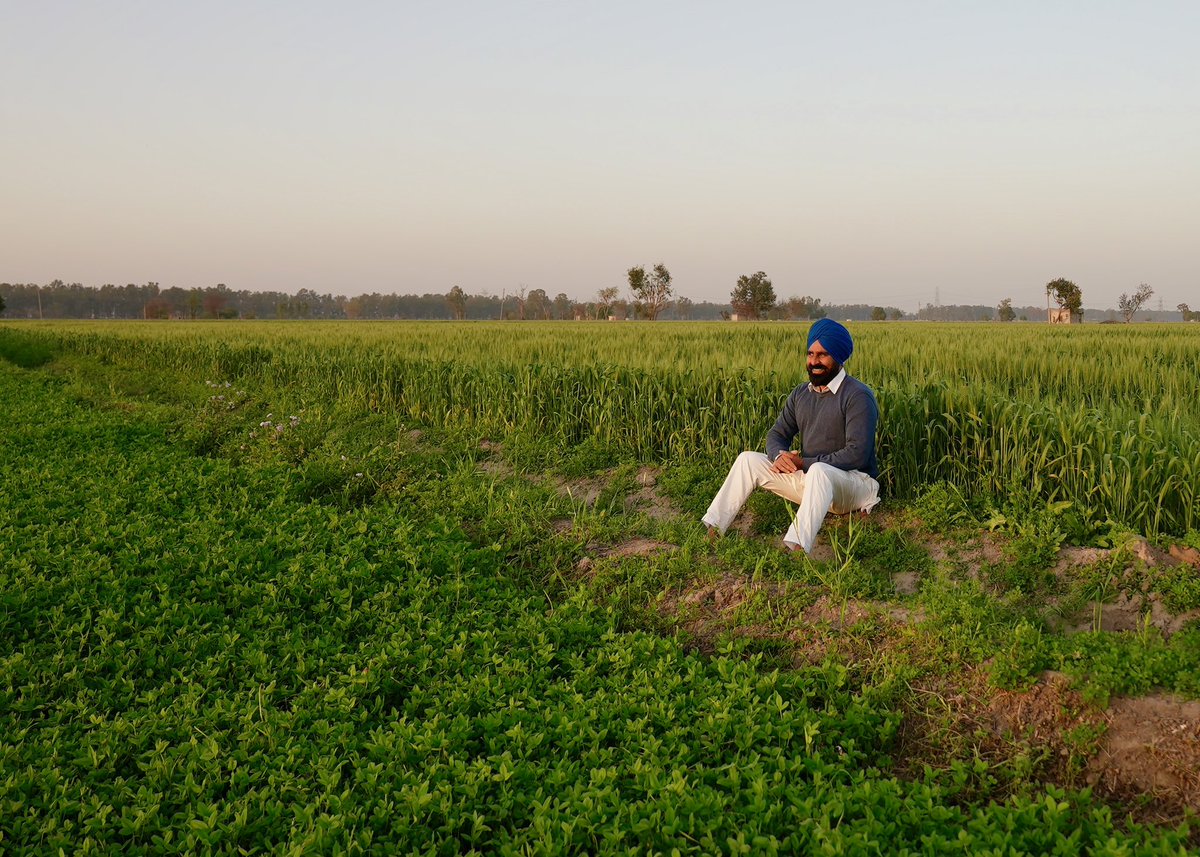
(821,365)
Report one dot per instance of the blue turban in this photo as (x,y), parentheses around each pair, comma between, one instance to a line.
(833,337)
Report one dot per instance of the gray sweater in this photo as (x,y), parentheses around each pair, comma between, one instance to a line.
(834,428)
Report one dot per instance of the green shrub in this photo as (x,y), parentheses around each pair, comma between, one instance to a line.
(25,350)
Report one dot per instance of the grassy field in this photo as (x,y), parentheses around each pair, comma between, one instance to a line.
(435,588)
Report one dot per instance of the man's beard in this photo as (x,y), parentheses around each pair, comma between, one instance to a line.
(820,376)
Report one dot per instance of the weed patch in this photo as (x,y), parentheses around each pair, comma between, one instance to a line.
(24,350)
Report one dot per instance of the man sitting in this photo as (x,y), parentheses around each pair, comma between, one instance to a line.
(835,416)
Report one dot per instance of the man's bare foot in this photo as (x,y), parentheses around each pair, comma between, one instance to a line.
(712,535)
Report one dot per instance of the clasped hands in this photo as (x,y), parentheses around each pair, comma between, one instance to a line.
(788,462)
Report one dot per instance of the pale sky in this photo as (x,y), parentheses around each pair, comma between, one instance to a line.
(878,153)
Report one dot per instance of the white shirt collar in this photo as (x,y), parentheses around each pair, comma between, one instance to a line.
(836,382)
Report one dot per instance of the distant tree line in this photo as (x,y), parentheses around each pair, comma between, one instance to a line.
(74,300)
(978,312)
(58,299)
(753,297)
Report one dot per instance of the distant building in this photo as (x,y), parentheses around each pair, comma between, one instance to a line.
(1062,315)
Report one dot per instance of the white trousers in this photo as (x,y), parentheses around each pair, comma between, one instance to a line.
(823,488)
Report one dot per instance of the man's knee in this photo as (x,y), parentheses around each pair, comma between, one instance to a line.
(752,467)
(849,490)
(819,471)
(752,461)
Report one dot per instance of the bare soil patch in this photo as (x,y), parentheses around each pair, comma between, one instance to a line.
(586,491)
(630,547)
(973,553)
(1042,715)
(1152,746)
(708,610)
(1185,554)
(1075,557)
(1150,555)
(812,623)
(649,501)
(1143,754)
(1148,746)
(725,593)
(635,547)
(906,582)
(1130,612)
(496,467)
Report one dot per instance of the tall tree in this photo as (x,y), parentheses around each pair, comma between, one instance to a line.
(1128,305)
(1188,313)
(753,296)
(456,299)
(520,296)
(604,301)
(651,292)
(1066,294)
(538,305)
(1005,311)
(562,305)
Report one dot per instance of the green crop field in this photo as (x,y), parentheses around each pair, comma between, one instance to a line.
(441,588)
